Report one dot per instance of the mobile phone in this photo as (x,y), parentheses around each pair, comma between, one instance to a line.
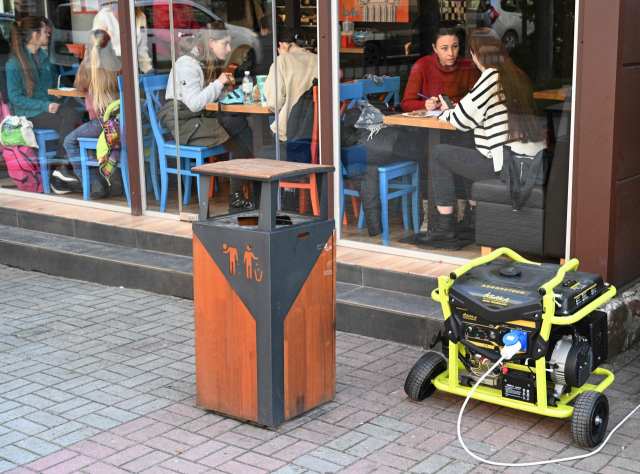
(447,101)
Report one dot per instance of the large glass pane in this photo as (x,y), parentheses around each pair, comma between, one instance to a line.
(418,176)
(216,45)
(60,74)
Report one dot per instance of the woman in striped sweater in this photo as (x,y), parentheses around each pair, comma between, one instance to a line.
(500,110)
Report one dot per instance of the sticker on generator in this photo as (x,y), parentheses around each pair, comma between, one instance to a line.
(518,387)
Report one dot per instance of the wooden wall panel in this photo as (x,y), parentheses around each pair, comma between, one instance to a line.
(309,339)
(627,248)
(595,136)
(631,39)
(226,364)
(629,138)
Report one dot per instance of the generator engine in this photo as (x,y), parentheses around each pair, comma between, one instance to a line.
(498,299)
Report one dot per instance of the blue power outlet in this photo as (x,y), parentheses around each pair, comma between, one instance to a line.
(522,337)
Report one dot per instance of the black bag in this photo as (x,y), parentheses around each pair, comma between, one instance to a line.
(521,173)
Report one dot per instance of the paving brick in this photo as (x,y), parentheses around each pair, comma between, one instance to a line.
(128,455)
(203,450)
(69,466)
(275,444)
(38,446)
(186,437)
(366,447)
(102,468)
(25,426)
(17,455)
(222,456)
(317,464)
(432,464)
(233,467)
(295,450)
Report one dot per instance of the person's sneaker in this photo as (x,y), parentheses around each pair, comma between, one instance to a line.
(237,202)
(58,186)
(97,190)
(66,175)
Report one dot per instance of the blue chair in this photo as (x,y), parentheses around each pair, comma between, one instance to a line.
(42,137)
(401,179)
(189,155)
(87,144)
(391,85)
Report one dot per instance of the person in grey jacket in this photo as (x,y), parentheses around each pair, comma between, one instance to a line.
(196,125)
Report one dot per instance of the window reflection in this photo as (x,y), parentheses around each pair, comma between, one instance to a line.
(419,176)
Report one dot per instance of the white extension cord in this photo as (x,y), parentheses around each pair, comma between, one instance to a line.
(507,353)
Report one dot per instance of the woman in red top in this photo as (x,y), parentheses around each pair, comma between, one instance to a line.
(443,72)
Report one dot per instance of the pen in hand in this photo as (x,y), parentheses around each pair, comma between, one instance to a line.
(429,98)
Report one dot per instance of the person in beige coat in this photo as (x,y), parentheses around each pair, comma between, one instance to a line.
(297,68)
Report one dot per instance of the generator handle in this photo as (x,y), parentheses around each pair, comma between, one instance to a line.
(489,258)
(570,266)
(606,295)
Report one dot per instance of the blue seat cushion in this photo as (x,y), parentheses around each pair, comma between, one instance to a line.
(172,144)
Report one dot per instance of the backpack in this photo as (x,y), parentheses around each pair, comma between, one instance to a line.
(108,149)
(22,163)
(23,168)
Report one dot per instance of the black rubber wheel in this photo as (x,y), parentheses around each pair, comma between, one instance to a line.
(419,383)
(590,418)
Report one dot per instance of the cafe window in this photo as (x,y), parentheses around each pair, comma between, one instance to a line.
(444,154)
(46,79)
(238,97)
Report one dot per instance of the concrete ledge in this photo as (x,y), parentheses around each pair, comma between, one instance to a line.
(623,313)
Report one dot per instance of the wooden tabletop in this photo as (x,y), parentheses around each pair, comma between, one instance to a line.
(259,169)
(67,93)
(423,122)
(257,108)
(352,50)
(553,94)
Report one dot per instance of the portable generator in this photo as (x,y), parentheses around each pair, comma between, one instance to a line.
(549,311)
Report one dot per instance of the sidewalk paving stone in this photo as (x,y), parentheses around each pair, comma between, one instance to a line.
(98,380)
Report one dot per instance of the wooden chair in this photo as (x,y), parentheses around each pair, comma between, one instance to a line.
(309,182)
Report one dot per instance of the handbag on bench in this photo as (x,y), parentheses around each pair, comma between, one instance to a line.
(522,172)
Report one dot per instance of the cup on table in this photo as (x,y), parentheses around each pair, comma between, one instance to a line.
(261,80)
(232,80)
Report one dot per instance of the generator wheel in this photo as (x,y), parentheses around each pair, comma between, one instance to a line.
(419,383)
(590,418)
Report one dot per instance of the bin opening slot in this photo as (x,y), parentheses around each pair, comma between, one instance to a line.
(283,220)
(251,220)
(303,235)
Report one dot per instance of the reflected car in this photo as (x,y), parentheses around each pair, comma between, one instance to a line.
(74,29)
(505,18)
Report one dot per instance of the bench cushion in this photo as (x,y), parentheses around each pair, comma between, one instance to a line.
(495,191)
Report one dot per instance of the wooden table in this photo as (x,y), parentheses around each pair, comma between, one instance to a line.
(553,94)
(260,120)
(352,50)
(240,108)
(67,93)
(434,125)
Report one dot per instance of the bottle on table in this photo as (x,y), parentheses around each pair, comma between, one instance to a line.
(247,88)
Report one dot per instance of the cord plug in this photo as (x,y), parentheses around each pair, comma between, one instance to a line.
(512,345)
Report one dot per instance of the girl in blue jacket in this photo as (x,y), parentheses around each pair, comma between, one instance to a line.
(30,74)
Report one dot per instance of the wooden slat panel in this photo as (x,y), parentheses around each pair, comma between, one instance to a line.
(226,356)
(310,341)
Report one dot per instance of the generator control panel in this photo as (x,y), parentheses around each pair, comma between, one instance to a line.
(483,336)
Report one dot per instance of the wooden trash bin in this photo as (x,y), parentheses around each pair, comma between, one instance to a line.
(264,292)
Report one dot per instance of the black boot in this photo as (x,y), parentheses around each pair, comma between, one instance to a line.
(442,235)
(466,227)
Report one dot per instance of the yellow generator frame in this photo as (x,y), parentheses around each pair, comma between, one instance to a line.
(447,381)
